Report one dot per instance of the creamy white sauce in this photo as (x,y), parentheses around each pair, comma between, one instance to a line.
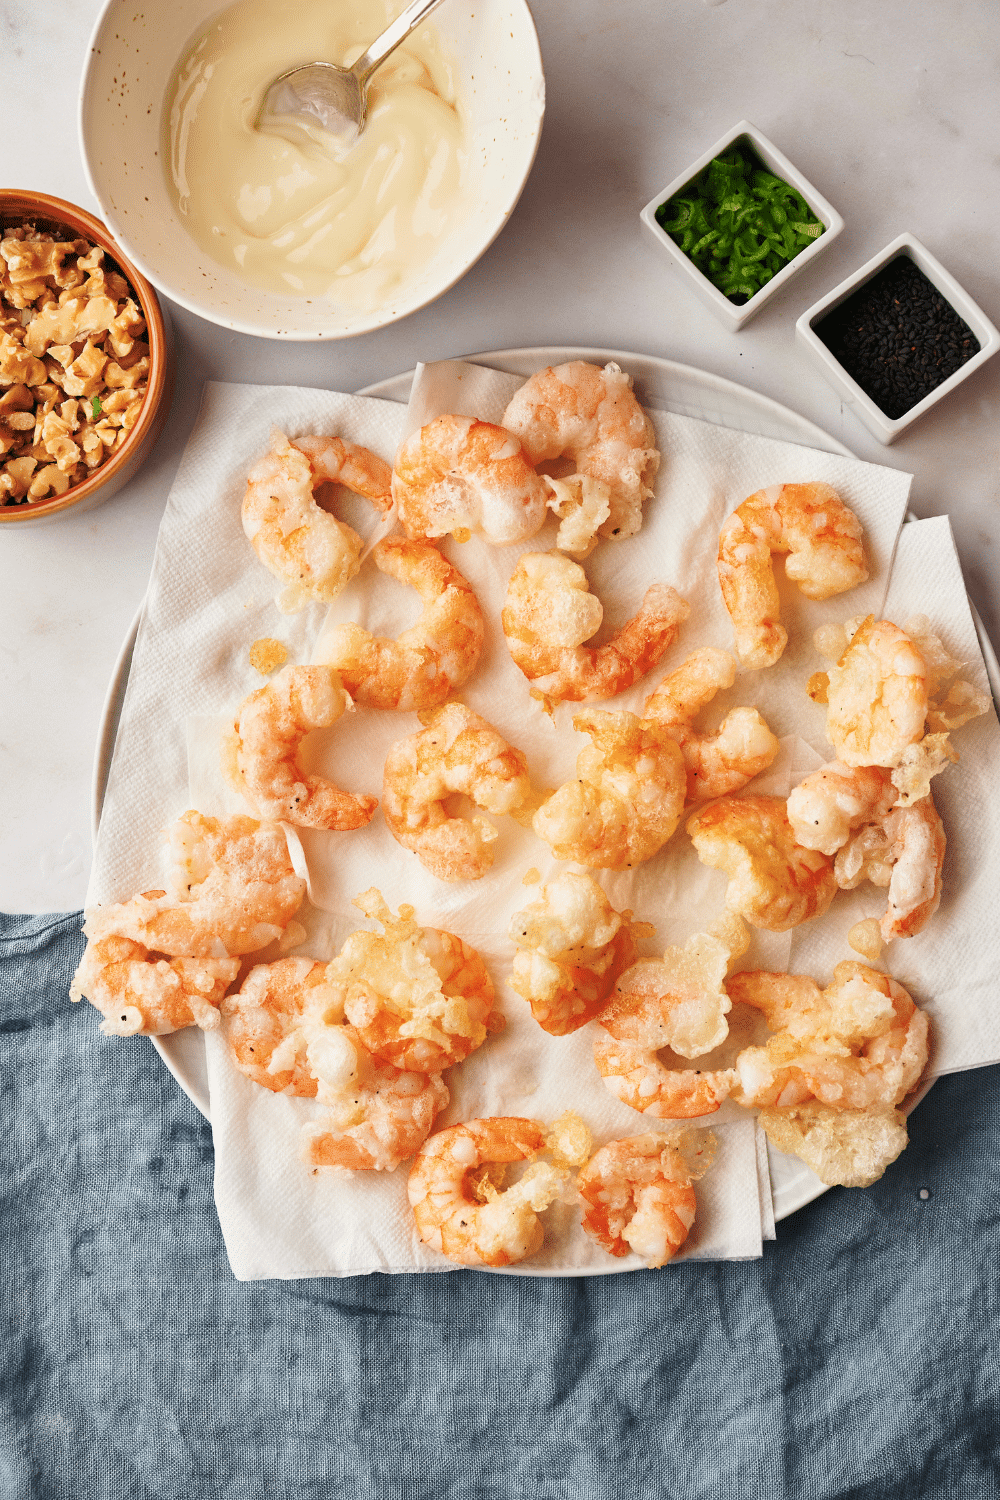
(280,205)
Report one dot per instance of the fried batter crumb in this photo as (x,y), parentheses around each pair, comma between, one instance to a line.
(267,655)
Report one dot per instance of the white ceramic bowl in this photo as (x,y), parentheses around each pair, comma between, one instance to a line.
(885,428)
(732,314)
(133,51)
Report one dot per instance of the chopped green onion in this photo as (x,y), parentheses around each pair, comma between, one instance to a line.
(739,224)
(95,407)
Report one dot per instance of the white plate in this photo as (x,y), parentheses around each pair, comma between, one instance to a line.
(659,383)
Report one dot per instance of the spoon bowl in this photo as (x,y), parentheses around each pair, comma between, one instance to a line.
(319,93)
(333,97)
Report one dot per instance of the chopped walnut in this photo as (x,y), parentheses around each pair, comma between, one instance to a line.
(74,366)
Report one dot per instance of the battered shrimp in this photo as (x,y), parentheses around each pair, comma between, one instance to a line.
(859,1044)
(266,1028)
(876,696)
(234,892)
(137,991)
(825,546)
(627,798)
(904,850)
(456,751)
(877,834)
(437,654)
(259,757)
(377,1116)
(635,1074)
(287,1033)
(463,476)
(773,882)
(740,748)
(590,416)
(550,612)
(418,998)
(466,1217)
(831,802)
(309,549)
(678,1004)
(639,1195)
(572,947)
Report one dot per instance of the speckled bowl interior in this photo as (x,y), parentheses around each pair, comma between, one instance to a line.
(19,206)
(134,49)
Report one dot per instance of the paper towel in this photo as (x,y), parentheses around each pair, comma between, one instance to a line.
(210,599)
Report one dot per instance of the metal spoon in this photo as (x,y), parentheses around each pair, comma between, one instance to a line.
(335,97)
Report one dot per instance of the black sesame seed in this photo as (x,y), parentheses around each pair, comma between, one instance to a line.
(898,337)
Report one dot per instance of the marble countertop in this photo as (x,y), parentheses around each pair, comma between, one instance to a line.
(889,111)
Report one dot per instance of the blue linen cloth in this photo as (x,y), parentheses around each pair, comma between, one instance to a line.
(858,1359)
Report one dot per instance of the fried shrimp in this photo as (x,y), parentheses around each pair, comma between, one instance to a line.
(635,1074)
(740,748)
(679,1005)
(138,991)
(312,552)
(859,1044)
(876,696)
(459,1209)
(418,998)
(265,1024)
(429,660)
(377,1115)
(456,751)
(639,1196)
(773,882)
(831,802)
(824,543)
(159,962)
(904,850)
(878,833)
(626,800)
(259,756)
(550,612)
(591,417)
(572,946)
(287,1033)
(463,476)
(234,892)
(686,988)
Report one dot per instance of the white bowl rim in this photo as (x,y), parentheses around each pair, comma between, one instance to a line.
(119,230)
(954,293)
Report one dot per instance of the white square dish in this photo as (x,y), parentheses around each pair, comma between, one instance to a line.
(735,315)
(884,427)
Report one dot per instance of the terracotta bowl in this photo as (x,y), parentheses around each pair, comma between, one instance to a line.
(54,214)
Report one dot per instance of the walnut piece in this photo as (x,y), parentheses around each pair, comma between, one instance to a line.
(74,367)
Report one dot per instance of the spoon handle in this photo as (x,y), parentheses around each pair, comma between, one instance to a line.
(391,38)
